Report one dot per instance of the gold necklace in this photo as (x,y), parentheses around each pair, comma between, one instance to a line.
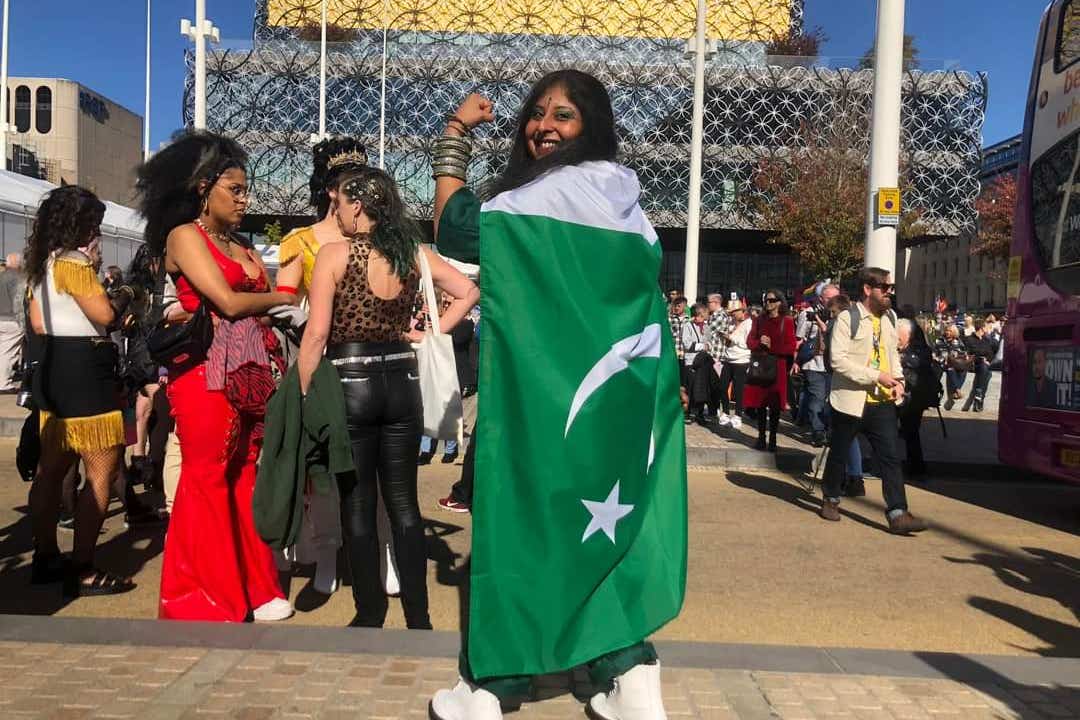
(221,238)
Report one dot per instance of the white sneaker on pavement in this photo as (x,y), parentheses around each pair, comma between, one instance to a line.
(736,422)
(635,696)
(722,420)
(276,609)
(464,702)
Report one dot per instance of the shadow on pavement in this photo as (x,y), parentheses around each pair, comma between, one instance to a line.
(1032,498)
(1040,572)
(124,553)
(793,494)
(1025,700)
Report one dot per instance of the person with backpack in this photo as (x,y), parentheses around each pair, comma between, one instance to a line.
(867,384)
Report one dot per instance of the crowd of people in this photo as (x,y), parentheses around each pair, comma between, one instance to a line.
(280,413)
(763,360)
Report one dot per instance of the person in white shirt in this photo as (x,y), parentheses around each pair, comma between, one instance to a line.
(736,361)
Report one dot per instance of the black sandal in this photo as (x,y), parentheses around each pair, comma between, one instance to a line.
(101,583)
(46,568)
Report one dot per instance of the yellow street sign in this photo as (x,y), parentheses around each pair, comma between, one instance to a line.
(1012,287)
(888,206)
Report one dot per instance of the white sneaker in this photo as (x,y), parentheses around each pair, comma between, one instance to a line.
(276,609)
(464,702)
(636,696)
(722,420)
(736,422)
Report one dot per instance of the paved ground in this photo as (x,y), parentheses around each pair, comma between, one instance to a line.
(998,573)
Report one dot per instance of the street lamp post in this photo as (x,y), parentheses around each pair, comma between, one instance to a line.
(4,91)
(885,130)
(200,32)
(693,208)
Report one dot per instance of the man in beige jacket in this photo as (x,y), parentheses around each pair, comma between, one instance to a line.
(867,383)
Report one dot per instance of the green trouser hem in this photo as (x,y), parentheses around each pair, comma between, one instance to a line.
(602,671)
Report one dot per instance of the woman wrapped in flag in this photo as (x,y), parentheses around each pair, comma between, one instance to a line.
(579,512)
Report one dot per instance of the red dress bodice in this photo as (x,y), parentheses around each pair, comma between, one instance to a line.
(234,274)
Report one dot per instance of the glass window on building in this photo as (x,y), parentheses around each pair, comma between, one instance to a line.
(43,116)
(22,109)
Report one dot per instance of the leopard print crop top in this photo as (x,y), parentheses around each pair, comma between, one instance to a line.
(359,314)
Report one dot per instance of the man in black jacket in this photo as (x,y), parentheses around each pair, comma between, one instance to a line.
(923,390)
(983,348)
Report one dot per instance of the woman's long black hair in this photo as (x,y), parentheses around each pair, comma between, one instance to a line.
(598,140)
(65,220)
(167,185)
(322,178)
(395,235)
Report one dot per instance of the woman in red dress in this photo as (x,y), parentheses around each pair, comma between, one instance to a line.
(773,333)
(216,567)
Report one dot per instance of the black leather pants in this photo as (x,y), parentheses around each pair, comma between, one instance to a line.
(382,401)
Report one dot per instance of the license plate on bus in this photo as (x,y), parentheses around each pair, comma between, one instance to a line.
(1070,457)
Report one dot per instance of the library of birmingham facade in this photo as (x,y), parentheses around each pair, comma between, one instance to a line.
(403,65)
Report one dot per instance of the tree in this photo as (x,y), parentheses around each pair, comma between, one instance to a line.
(814,199)
(995,205)
(799,44)
(273,233)
(911,56)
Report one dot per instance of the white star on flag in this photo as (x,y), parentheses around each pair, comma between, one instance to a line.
(605,514)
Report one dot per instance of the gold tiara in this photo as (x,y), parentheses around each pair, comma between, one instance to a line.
(355,157)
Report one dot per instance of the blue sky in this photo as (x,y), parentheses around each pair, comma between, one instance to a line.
(101,44)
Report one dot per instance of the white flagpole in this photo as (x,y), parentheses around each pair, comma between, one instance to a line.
(322,77)
(693,208)
(146,109)
(382,98)
(4,92)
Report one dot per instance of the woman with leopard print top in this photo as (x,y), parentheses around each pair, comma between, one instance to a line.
(361,298)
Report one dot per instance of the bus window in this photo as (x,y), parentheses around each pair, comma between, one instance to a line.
(1068,45)
(1055,206)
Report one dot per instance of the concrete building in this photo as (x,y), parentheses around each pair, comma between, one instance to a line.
(64,132)
(946,268)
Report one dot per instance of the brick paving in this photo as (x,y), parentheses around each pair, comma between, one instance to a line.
(62,682)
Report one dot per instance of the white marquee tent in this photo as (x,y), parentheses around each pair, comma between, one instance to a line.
(121,230)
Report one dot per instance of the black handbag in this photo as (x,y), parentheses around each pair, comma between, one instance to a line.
(181,345)
(762,369)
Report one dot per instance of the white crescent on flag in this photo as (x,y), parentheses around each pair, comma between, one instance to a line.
(644,344)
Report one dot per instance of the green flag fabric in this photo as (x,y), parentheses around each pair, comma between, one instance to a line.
(579,515)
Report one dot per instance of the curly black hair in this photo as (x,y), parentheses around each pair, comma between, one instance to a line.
(598,139)
(167,185)
(395,235)
(67,218)
(323,179)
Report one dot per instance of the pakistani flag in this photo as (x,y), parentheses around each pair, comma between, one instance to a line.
(579,515)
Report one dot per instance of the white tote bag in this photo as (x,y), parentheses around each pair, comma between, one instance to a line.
(438,370)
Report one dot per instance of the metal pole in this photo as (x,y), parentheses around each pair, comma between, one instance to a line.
(4,92)
(885,129)
(382,98)
(200,65)
(693,208)
(322,77)
(146,108)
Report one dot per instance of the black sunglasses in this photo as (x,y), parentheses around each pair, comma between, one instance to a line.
(772,300)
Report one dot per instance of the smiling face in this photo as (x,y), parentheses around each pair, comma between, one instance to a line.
(555,119)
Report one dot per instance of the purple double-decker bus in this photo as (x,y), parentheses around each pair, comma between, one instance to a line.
(1039,416)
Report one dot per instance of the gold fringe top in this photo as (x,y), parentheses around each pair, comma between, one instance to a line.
(300,242)
(74,275)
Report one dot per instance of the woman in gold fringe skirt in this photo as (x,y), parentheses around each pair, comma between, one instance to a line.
(75,386)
